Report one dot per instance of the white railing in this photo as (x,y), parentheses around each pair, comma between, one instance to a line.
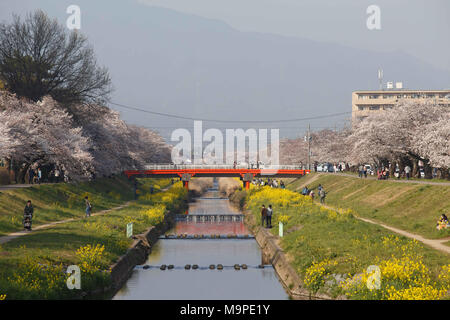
(224,166)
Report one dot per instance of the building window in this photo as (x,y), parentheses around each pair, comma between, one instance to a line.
(374,107)
(360,108)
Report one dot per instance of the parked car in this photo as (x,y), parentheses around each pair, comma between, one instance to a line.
(330,167)
(369,169)
(422,172)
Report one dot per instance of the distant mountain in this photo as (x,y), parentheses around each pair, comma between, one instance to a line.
(185,64)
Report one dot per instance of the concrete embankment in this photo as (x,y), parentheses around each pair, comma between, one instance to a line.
(137,253)
(273,254)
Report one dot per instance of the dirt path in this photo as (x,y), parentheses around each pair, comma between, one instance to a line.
(424,181)
(10,236)
(437,244)
(14,235)
(305,183)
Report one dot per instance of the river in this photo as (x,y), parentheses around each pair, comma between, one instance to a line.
(208,215)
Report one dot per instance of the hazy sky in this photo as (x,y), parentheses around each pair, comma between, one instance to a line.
(418,27)
(122,32)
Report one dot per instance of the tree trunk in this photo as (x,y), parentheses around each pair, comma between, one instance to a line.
(392,168)
(443,173)
(415,170)
(428,170)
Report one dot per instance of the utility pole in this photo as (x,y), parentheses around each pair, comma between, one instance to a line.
(309,146)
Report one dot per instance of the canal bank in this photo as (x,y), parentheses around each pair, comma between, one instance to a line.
(274,255)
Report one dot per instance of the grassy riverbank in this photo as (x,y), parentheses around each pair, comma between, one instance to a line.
(32,266)
(408,206)
(54,202)
(326,246)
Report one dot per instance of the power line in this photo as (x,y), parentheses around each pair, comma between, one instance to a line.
(227,121)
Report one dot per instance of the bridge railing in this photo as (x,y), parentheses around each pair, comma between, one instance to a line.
(214,166)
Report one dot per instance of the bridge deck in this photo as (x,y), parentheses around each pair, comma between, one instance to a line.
(218,171)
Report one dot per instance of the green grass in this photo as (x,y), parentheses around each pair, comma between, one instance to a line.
(314,234)
(411,207)
(61,201)
(311,236)
(58,244)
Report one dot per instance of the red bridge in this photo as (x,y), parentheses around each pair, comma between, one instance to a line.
(186,172)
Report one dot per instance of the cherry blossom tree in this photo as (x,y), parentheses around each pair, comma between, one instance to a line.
(44,134)
(407,134)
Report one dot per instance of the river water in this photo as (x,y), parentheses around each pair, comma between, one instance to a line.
(208,215)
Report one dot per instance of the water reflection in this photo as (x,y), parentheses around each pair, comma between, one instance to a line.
(178,283)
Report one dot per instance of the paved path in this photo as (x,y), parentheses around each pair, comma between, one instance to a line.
(19,186)
(437,244)
(422,181)
(14,235)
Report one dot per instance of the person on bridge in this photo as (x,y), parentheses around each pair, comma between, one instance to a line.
(269,217)
(28,215)
(263,215)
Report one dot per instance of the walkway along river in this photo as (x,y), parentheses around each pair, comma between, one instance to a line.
(209,215)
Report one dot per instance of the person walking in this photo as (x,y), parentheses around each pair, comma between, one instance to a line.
(263,214)
(28,216)
(360,171)
(319,188)
(311,194)
(305,191)
(56,173)
(269,217)
(88,207)
(39,175)
(30,176)
(407,172)
(322,195)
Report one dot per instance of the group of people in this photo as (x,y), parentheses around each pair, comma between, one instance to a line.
(266,216)
(362,171)
(310,192)
(270,182)
(35,175)
(250,165)
(442,223)
(383,174)
(28,213)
